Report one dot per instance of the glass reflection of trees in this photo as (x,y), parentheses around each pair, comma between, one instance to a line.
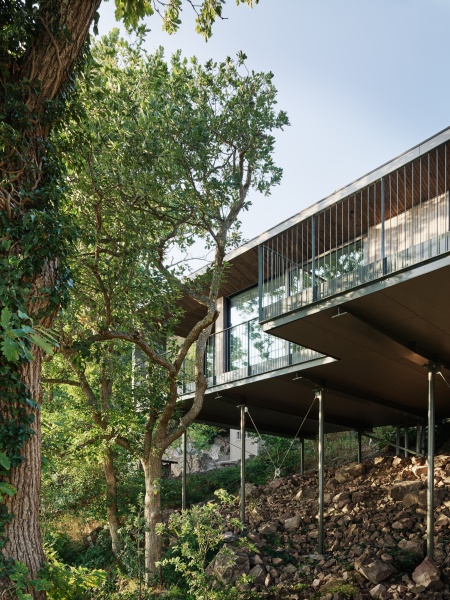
(340,262)
(248,343)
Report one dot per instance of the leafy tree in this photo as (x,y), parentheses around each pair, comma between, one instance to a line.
(41,45)
(83,411)
(183,146)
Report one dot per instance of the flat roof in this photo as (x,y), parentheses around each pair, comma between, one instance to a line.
(393,164)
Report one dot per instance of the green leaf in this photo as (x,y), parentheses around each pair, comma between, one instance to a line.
(7,488)
(4,461)
(10,349)
(46,346)
(23,315)
(6,317)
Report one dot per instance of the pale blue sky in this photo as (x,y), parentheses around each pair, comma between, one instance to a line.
(361,80)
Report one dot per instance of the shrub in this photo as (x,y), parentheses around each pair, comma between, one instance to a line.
(196,537)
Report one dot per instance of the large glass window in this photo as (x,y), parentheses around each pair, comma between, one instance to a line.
(247,343)
(243,307)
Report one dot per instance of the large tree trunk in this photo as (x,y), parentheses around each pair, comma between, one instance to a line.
(152,513)
(111,500)
(59,34)
(23,533)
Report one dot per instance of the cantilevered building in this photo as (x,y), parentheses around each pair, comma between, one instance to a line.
(348,303)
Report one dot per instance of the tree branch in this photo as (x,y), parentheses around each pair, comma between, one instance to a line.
(60,381)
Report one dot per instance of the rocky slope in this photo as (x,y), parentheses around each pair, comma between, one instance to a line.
(375,531)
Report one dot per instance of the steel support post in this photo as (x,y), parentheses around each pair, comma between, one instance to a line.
(302,456)
(383,228)
(432,369)
(397,441)
(406,441)
(260,281)
(183,474)
(359,446)
(313,259)
(243,411)
(249,342)
(319,397)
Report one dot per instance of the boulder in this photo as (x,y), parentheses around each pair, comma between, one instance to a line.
(376,570)
(349,472)
(229,564)
(290,568)
(428,575)
(292,523)
(252,491)
(399,491)
(331,583)
(268,528)
(258,574)
(411,499)
(380,591)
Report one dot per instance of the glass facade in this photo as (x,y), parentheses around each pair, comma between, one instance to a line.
(248,345)
(394,222)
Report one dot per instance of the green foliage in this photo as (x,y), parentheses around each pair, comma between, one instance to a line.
(183,146)
(63,546)
(60,581)
(404,560)
(18,336)
(131,12)
(68,583)
(196,537)
(201,436)
(34,236)
(344,590)
(132,538)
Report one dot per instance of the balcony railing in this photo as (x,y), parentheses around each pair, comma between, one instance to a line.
(400,220)
(242,351)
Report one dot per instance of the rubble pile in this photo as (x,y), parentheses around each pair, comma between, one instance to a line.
(375,534)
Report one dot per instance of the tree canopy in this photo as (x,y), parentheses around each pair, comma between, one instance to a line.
(183,147)
(42,47)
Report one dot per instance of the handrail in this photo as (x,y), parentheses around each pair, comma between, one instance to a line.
(241,351)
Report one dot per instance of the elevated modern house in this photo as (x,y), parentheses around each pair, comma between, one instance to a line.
(346,303)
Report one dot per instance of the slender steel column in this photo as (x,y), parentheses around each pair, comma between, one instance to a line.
(243,411)
(383,233)
(260,281)
(406,441)
(397,442)
(249,343)
(183,473)
(359,446)
(418,438)
(313,258)
(302,456)
(432,369)
(319,397)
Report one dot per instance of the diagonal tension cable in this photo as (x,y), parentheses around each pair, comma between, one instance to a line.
(277,470)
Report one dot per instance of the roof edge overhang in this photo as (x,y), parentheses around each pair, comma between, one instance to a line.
(395,163)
